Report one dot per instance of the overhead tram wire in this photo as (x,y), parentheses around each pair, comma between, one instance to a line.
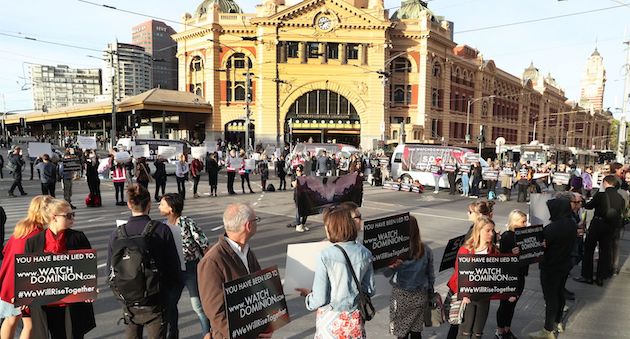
(51,42)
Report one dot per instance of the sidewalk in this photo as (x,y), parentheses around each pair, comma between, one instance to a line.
(597,312)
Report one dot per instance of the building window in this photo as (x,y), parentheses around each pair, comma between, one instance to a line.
(435,98)
(401,94)
(437,70)
(401,65)
(332,50)
(196,64)
(293,48)
(236,89)
(313,50)
(352,51)
(238,60)
(318,103)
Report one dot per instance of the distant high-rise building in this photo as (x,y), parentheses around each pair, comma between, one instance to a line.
(134,67)
(61,86)
(155,37)
(593,83)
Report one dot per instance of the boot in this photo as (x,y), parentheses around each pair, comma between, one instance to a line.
(542,334)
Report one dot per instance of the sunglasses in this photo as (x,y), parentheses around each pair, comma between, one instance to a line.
(68,216)
(257,219)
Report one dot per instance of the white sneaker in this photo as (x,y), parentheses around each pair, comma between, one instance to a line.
(306,227)
(300,228)
(559,328)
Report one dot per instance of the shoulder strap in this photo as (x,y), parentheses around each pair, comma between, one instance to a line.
(122,232)
(149,228)
(349,264)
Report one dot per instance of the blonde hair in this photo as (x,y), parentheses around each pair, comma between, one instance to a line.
(475,238)
(35,217)
(514,217)
(55,207)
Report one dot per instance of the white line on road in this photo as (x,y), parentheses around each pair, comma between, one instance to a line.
(101,265)
(217,228)
(439,216)
(96,219)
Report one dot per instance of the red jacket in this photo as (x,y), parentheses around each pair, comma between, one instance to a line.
(452,282)
(7,271)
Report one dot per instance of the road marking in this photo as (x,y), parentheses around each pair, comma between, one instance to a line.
(101,265)
(96,219)
(217,228)
(439,216)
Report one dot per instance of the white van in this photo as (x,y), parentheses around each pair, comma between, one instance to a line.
(411,162)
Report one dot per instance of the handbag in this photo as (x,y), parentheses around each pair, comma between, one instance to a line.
(435,317)
(365,302)
(454,308)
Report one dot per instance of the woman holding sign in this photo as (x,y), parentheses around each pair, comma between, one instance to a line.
(26,228)
(67,320)
(507,244)
(335,294)
(477,308)
(412,281)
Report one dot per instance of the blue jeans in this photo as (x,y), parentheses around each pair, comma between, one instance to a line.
(190,279)
(465,184)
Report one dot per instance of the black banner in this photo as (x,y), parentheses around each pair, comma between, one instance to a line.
(50,279)
(464,168)
(450,252)
(530,241)
(387,238)
(490,175)
(490,275)
(449,168)
(255,304)
(314,193)
(71,164)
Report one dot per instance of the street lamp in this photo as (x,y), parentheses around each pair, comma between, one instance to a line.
(470,102)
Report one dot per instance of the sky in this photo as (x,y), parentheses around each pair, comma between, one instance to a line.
(560,46)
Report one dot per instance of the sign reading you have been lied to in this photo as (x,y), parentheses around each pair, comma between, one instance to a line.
(530,242)
(255,304)
(488,275)
(387,238)
(49,279)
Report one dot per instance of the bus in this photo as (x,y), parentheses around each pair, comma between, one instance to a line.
(539,154)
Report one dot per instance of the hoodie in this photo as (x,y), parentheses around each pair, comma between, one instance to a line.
(559,236)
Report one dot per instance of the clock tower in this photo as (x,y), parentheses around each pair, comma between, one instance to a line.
(593,83)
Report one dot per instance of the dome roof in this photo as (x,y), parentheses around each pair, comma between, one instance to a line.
(225,6)
(410,9)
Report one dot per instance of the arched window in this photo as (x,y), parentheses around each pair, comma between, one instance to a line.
(401,65)
(237,87)
(437,70)
(196,64)
(322,104)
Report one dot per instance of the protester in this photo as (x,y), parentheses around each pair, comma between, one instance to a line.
(507,180)
(436,170)
(159,176)
(16,163)
(244,173)
(1,167)
(608,206)
(93,181)
(66,177)
(281,172)
(464,171)
(229,259)
(559,237)
(477,307)
(192,243)
(523,177)
(181,175)
(300,220)
(451,169)
(162,251)
(196,166)
(322,164)
(47,172)
(142,172)
(334,293)
(26,228)
(69,320)
(491,184)
(212,167)
(412,280)
(476,180)
(233,164)
(505,312)
(119,177)
(263,169)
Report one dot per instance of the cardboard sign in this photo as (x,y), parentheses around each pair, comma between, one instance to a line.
(167,152)
(530,241)
(250,164)
(488,275)
(139,151)
(37,149)
(301,263)
(449,168)
(198,153)
(49,279)
(435,169)
(71,164)
(387,238)
(464,168)
(450,252)
(122,156)
(560,178)
(490,175)
(255,304)
(235,163)
(538,210)
(86,143)
(471,158)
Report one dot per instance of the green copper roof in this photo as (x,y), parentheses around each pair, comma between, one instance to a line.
(225,6)
(410,9)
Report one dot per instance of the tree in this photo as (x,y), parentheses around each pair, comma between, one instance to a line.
(614,134)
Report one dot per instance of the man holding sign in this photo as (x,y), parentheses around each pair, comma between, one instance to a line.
(229,259)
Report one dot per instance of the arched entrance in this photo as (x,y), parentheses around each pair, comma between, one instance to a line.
(323,116)
(235,132)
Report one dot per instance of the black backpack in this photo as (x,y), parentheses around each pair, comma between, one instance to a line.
(134,276)
(271,188)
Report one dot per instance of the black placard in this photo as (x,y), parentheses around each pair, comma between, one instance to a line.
(49,279)
(449,168)
(490,175)
(387,238)
(530,242)
(489,275)
(71,164)
(464,168)
(255,304)
(450,252)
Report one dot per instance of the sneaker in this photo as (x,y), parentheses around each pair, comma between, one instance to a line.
(300,228)
(542,334)
(498,335)
(559,328)
(73,207)
(23,193)
(11,195)
(306,228)
(509,335)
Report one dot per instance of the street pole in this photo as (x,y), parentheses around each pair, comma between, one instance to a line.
(468,121)
(621,145)
(248,101)
(114,90)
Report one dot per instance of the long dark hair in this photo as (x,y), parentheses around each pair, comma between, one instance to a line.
(416,247)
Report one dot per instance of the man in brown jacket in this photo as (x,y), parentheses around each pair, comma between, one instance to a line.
(230,258)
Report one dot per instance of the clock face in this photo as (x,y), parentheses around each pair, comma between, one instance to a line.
(324,23)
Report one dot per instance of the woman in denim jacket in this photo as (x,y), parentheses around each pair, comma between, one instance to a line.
(412,281)
(334,294)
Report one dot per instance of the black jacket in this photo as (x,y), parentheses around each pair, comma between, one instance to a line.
(18,163)
(81,315)
(602,202)
(559,236)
